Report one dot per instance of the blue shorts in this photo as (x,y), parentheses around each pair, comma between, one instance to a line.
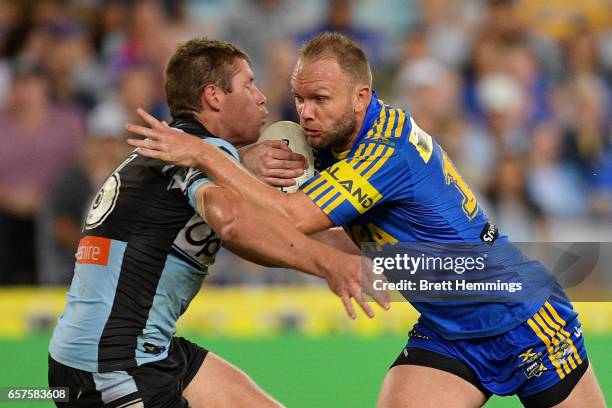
(541,360)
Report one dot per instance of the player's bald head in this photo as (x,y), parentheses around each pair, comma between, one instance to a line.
(350,57)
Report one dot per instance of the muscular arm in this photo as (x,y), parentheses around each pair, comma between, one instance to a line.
(277,244)
(259,235)
(337,238)
(306,216)
(175,147)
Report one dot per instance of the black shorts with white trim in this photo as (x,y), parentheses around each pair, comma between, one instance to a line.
(152,385)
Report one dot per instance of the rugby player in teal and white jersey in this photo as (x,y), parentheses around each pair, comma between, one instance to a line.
(151,234)
(386,181)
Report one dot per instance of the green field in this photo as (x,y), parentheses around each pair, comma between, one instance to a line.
(339,371)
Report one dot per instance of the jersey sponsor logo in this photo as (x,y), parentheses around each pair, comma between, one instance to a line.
(371,233)
(421,141)
(361,194)
(489,233)
(198,241)
(93,250)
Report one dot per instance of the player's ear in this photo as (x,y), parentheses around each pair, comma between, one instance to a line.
(211,96)
(361,97)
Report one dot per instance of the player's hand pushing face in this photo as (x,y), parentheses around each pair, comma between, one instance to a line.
(273,162)
(164,143)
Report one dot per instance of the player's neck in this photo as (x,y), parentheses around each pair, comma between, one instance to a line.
(213,126)
(338,150)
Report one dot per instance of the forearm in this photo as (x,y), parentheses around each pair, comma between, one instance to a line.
(250,230)
(259,235)
(228,174)
(337,238)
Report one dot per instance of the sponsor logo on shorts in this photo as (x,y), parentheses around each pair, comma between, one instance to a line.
(153,349)
(535,369)
(417,335)
(529,356)
(93,251)
(578,331)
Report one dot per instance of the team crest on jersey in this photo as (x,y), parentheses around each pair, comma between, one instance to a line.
(104,202)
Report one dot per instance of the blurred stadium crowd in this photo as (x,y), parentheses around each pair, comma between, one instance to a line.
(518,92)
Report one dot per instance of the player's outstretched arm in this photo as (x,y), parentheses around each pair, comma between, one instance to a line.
(255,233)
(178,148)
(337,238)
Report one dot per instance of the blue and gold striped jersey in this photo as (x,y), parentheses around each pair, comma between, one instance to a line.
(396,184)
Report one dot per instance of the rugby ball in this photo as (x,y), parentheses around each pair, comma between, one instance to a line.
(293,136)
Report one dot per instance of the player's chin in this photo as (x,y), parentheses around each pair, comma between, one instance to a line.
(253,135)
(257,125)
(263,117)
(317,140)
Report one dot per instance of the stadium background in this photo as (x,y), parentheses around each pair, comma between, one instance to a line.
(518,93)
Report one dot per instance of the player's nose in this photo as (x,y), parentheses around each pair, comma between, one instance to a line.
(306,112)
(260,98)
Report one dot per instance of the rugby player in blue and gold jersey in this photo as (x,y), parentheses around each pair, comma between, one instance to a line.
(150,235)
(387,181)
